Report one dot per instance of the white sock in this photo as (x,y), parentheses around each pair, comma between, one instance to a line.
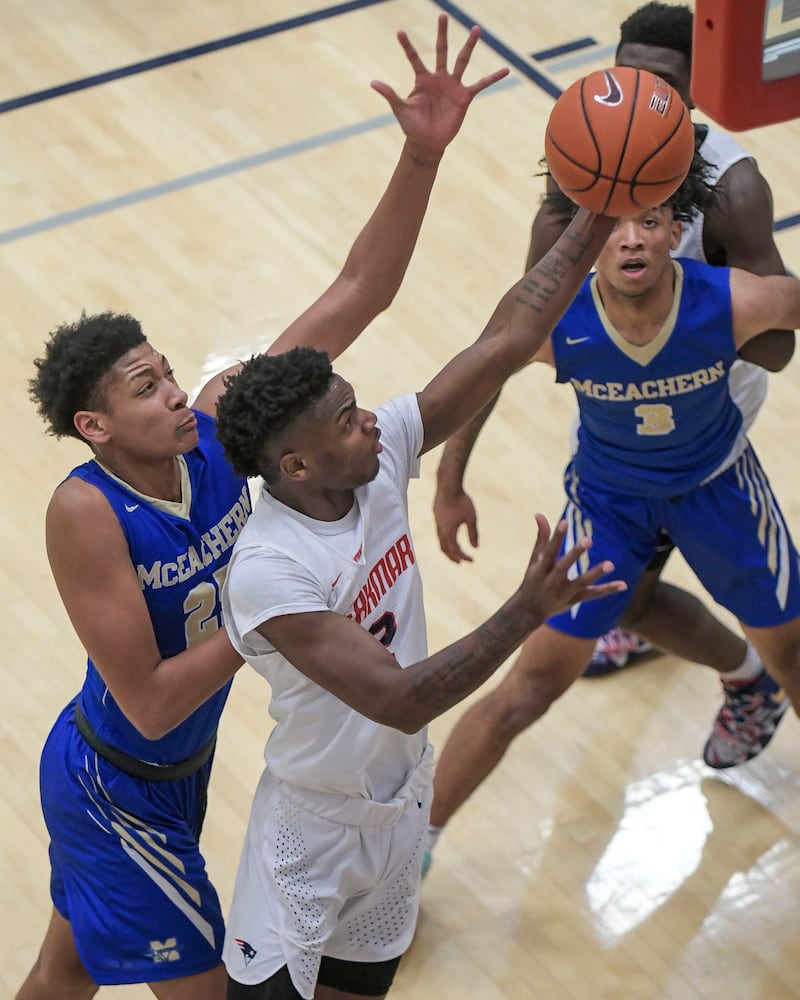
(751,666)
(431,836)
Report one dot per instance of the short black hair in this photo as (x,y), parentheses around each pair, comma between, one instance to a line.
(77,358)
(662,25)
(262,399)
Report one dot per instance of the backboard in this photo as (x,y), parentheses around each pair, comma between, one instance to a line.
(746,61)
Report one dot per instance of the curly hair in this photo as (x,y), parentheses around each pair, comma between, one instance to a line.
(262,399)
(77,358)
(661,25)
(696,195)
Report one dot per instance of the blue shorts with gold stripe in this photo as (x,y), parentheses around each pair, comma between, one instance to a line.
(127,871)
(730,531)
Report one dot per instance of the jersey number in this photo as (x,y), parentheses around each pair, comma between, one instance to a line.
(655,418)
(202,608)
(384,628)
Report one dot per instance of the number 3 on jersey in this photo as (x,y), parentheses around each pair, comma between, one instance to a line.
(655,418)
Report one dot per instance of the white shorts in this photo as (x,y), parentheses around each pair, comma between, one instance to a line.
(325,874)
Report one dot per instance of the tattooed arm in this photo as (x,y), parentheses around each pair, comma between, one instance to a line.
(518,328)
(340,655)
(452,505)
(344,658)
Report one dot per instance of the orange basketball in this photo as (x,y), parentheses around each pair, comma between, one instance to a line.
(619,141)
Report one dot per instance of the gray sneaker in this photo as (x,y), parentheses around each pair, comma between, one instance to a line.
(746,722)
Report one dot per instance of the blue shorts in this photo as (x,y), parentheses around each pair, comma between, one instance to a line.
(127,871)
(730,531)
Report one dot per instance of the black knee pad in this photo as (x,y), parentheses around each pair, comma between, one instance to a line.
(369,979)
(278,987)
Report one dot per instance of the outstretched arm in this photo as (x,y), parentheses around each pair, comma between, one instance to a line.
(452,505)
(518,329)
(430,117)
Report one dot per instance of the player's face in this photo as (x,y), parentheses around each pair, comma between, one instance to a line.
(636,257)
(671,66)
(346,440)
(146,413)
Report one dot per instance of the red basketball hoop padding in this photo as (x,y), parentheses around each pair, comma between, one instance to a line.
(727,80)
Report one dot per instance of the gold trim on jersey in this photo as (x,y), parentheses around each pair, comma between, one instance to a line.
(180,508)
(642,354)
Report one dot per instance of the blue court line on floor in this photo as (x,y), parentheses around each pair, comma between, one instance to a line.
(213,173)
(182,54)
(562,50)
(787,222)
(247,163)
(511,57)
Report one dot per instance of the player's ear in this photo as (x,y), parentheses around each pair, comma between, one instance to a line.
(92,425)
(294,466)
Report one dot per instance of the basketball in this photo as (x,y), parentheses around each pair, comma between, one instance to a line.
(619,141)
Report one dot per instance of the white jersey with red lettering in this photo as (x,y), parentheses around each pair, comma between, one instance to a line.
(363,566)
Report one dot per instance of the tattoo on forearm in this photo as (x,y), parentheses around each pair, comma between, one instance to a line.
(463,666)
(545,280)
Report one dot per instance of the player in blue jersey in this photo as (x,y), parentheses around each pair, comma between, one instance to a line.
(647,346)
(139,539)
(735,229)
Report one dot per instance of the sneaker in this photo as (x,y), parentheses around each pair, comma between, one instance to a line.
(746,722)
(614,651)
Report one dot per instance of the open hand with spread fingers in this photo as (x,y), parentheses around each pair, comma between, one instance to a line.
(552,584)
(432,113)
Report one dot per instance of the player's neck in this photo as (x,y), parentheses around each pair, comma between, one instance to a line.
(321,505)
(159,479)
(638,318)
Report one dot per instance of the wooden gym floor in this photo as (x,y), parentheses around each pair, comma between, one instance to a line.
(214,196)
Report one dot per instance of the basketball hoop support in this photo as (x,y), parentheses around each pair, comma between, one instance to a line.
(729,82)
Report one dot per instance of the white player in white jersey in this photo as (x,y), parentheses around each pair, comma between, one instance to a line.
(323,597)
